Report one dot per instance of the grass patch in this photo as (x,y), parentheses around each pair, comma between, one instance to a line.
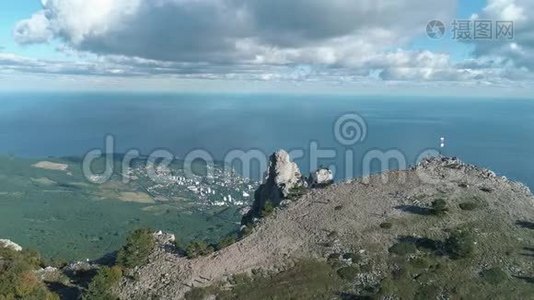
(306,280)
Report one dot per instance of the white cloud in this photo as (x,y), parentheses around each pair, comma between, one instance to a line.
(276,31)
(518,52)
(33,30)
(505,10)
(78,20)
(276,40)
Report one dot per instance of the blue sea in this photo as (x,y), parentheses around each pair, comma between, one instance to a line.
(493,133)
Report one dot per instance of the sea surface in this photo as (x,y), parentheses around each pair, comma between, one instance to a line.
(493,133)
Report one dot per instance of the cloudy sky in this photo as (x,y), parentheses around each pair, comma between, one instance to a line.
(367,46)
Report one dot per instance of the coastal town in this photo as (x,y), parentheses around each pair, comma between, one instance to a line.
(218,188)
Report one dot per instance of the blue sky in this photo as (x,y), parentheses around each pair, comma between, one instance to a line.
(10,13)
(344,45)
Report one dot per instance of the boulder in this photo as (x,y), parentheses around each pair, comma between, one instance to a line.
(164,238)
(321,177)
(80,269)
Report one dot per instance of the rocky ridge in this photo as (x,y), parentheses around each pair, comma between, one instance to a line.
(346,217)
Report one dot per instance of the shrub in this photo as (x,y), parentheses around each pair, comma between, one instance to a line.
(198,248)
(386,225)
(366,268)
(333,234)
(248,218)
(267,210)
(494,275)
(428,244)
(17,279)
(102,284)
(486,189)
(137,249)
(179,246)
(348,273)
(403,248)
(246,230)
(460,244)
(333,259)
(468,206)
(439,207)
(354,257)
(225,242)
(296,192)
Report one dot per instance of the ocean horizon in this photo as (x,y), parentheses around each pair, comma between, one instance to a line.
(493,133)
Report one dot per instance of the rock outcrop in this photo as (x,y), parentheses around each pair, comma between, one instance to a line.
(11,245)
(280,179)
